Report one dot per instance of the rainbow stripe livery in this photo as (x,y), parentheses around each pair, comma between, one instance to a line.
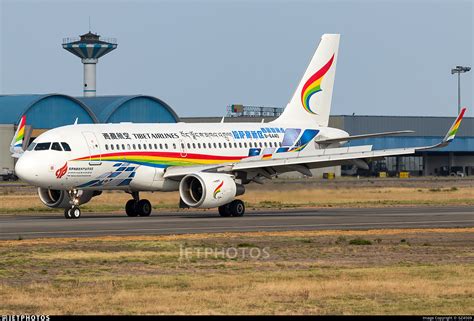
(162,159)
(20,133)
(16,145)
(218,189)
(313,85)
(454,128)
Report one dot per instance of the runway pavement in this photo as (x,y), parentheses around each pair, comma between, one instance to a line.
(103,224)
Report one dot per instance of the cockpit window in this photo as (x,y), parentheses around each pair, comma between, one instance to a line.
(56,146)
(31,147)
(66,147)
(42,146)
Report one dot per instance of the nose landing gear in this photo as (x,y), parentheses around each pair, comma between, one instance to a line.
(73,211)
(138,207)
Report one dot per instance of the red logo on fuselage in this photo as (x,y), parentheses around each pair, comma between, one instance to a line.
(62,171)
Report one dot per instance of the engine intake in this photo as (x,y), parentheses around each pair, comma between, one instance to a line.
(207,190)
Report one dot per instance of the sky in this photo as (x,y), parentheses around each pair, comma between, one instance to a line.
(395,57)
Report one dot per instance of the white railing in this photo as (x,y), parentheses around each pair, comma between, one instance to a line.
(74,39)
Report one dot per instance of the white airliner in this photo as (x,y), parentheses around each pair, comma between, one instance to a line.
(209,164)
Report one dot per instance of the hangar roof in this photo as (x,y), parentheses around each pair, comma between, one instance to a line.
(137,109)
(44,111)
(53,110)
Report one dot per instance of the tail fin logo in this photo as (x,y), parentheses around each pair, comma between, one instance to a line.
(313,85)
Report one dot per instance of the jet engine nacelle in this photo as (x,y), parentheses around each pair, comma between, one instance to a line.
(60,199)
(207,190)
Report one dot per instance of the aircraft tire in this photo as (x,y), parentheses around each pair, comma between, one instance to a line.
(224,210)
(143,208)
(130,208)
(237,208)
(75,212)
(67,213)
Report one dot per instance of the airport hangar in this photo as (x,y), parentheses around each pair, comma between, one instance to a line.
(52,110)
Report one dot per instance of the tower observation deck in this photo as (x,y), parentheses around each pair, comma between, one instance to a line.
(89,47)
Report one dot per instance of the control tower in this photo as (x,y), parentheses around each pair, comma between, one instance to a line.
(89,47)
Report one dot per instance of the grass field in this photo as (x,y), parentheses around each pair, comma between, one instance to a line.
(273,196)
(428,271)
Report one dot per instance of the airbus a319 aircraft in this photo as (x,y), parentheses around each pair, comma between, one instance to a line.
(209,164)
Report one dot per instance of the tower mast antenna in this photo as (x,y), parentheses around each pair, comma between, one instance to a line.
(89,47)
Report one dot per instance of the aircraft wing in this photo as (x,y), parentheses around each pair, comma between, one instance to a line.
(324,158)
(289,161)
(344,139)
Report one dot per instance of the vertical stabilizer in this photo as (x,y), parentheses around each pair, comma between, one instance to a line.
(16,146)
(311,102)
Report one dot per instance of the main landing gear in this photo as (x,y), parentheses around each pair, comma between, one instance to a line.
(138,207)
(73,211)
(235,208)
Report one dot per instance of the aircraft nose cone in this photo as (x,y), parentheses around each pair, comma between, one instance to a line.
(23,170)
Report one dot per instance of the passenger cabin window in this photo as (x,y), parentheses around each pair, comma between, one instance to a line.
(106,147)
(66,147)
(56,146)
(42,146)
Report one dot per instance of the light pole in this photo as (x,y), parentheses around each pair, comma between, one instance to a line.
(459,70)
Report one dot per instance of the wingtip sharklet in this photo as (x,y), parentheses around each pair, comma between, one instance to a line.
(454,128)
(451,134)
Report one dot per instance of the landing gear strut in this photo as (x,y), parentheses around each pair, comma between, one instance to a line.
(73,211)
(235,208)
(137,207)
